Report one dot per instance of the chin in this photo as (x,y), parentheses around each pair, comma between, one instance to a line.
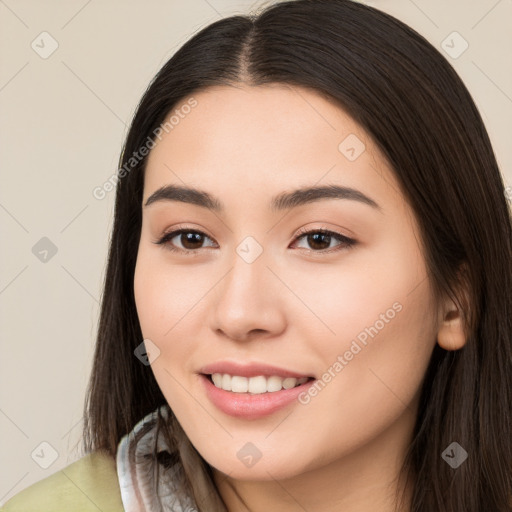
(277,467)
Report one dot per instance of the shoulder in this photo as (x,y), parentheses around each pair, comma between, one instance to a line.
(90,483)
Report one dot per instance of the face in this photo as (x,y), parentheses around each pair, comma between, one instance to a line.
(330,289)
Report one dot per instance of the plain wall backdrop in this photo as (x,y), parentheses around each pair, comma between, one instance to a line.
(71,75)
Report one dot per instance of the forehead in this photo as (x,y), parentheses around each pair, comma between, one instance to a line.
(265,139)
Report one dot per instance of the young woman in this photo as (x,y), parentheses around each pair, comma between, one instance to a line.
(308,299)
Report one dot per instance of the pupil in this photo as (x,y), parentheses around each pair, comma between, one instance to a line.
(313,239)
(191,238)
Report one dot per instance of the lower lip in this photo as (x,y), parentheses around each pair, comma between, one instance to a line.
(248,406)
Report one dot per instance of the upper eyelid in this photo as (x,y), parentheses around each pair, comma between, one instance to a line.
(177,230)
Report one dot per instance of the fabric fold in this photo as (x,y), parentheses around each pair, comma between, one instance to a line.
(137,465)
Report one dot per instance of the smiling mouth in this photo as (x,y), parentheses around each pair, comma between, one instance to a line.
(256,385)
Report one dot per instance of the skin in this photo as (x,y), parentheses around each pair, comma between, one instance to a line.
(292,307)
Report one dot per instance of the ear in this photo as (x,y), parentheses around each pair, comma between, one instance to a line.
(451,333)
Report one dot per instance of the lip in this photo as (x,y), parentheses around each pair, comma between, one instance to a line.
(249,370)
(248,406)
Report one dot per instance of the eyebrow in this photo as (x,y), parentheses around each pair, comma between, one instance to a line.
(283,201)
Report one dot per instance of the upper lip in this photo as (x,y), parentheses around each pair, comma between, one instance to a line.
(249,370)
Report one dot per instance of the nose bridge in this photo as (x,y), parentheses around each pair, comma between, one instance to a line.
(246,300)
(246,281)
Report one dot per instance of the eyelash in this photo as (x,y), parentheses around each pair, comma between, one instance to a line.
(345,242)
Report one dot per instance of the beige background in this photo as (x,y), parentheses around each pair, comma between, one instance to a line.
(63,121)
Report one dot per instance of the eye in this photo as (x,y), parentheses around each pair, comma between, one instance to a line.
(191,240)
(319,238)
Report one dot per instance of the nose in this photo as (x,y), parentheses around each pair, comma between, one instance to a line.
(248,302)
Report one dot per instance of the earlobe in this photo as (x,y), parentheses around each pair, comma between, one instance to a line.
(452,331)
(451,335)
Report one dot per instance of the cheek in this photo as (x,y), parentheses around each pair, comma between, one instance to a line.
(366,289)
(374,332)
(363,394)
(165,295)
(163,299)
(170,302)
(374,365)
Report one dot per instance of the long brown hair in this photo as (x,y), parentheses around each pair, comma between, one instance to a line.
(402,90)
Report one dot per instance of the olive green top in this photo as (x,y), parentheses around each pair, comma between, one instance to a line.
(89,484)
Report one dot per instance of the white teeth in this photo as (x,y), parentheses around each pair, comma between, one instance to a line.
(289,383)
(254,385)
(217,379)
(238,384)
(274,384)
(226,382)
(257,384)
